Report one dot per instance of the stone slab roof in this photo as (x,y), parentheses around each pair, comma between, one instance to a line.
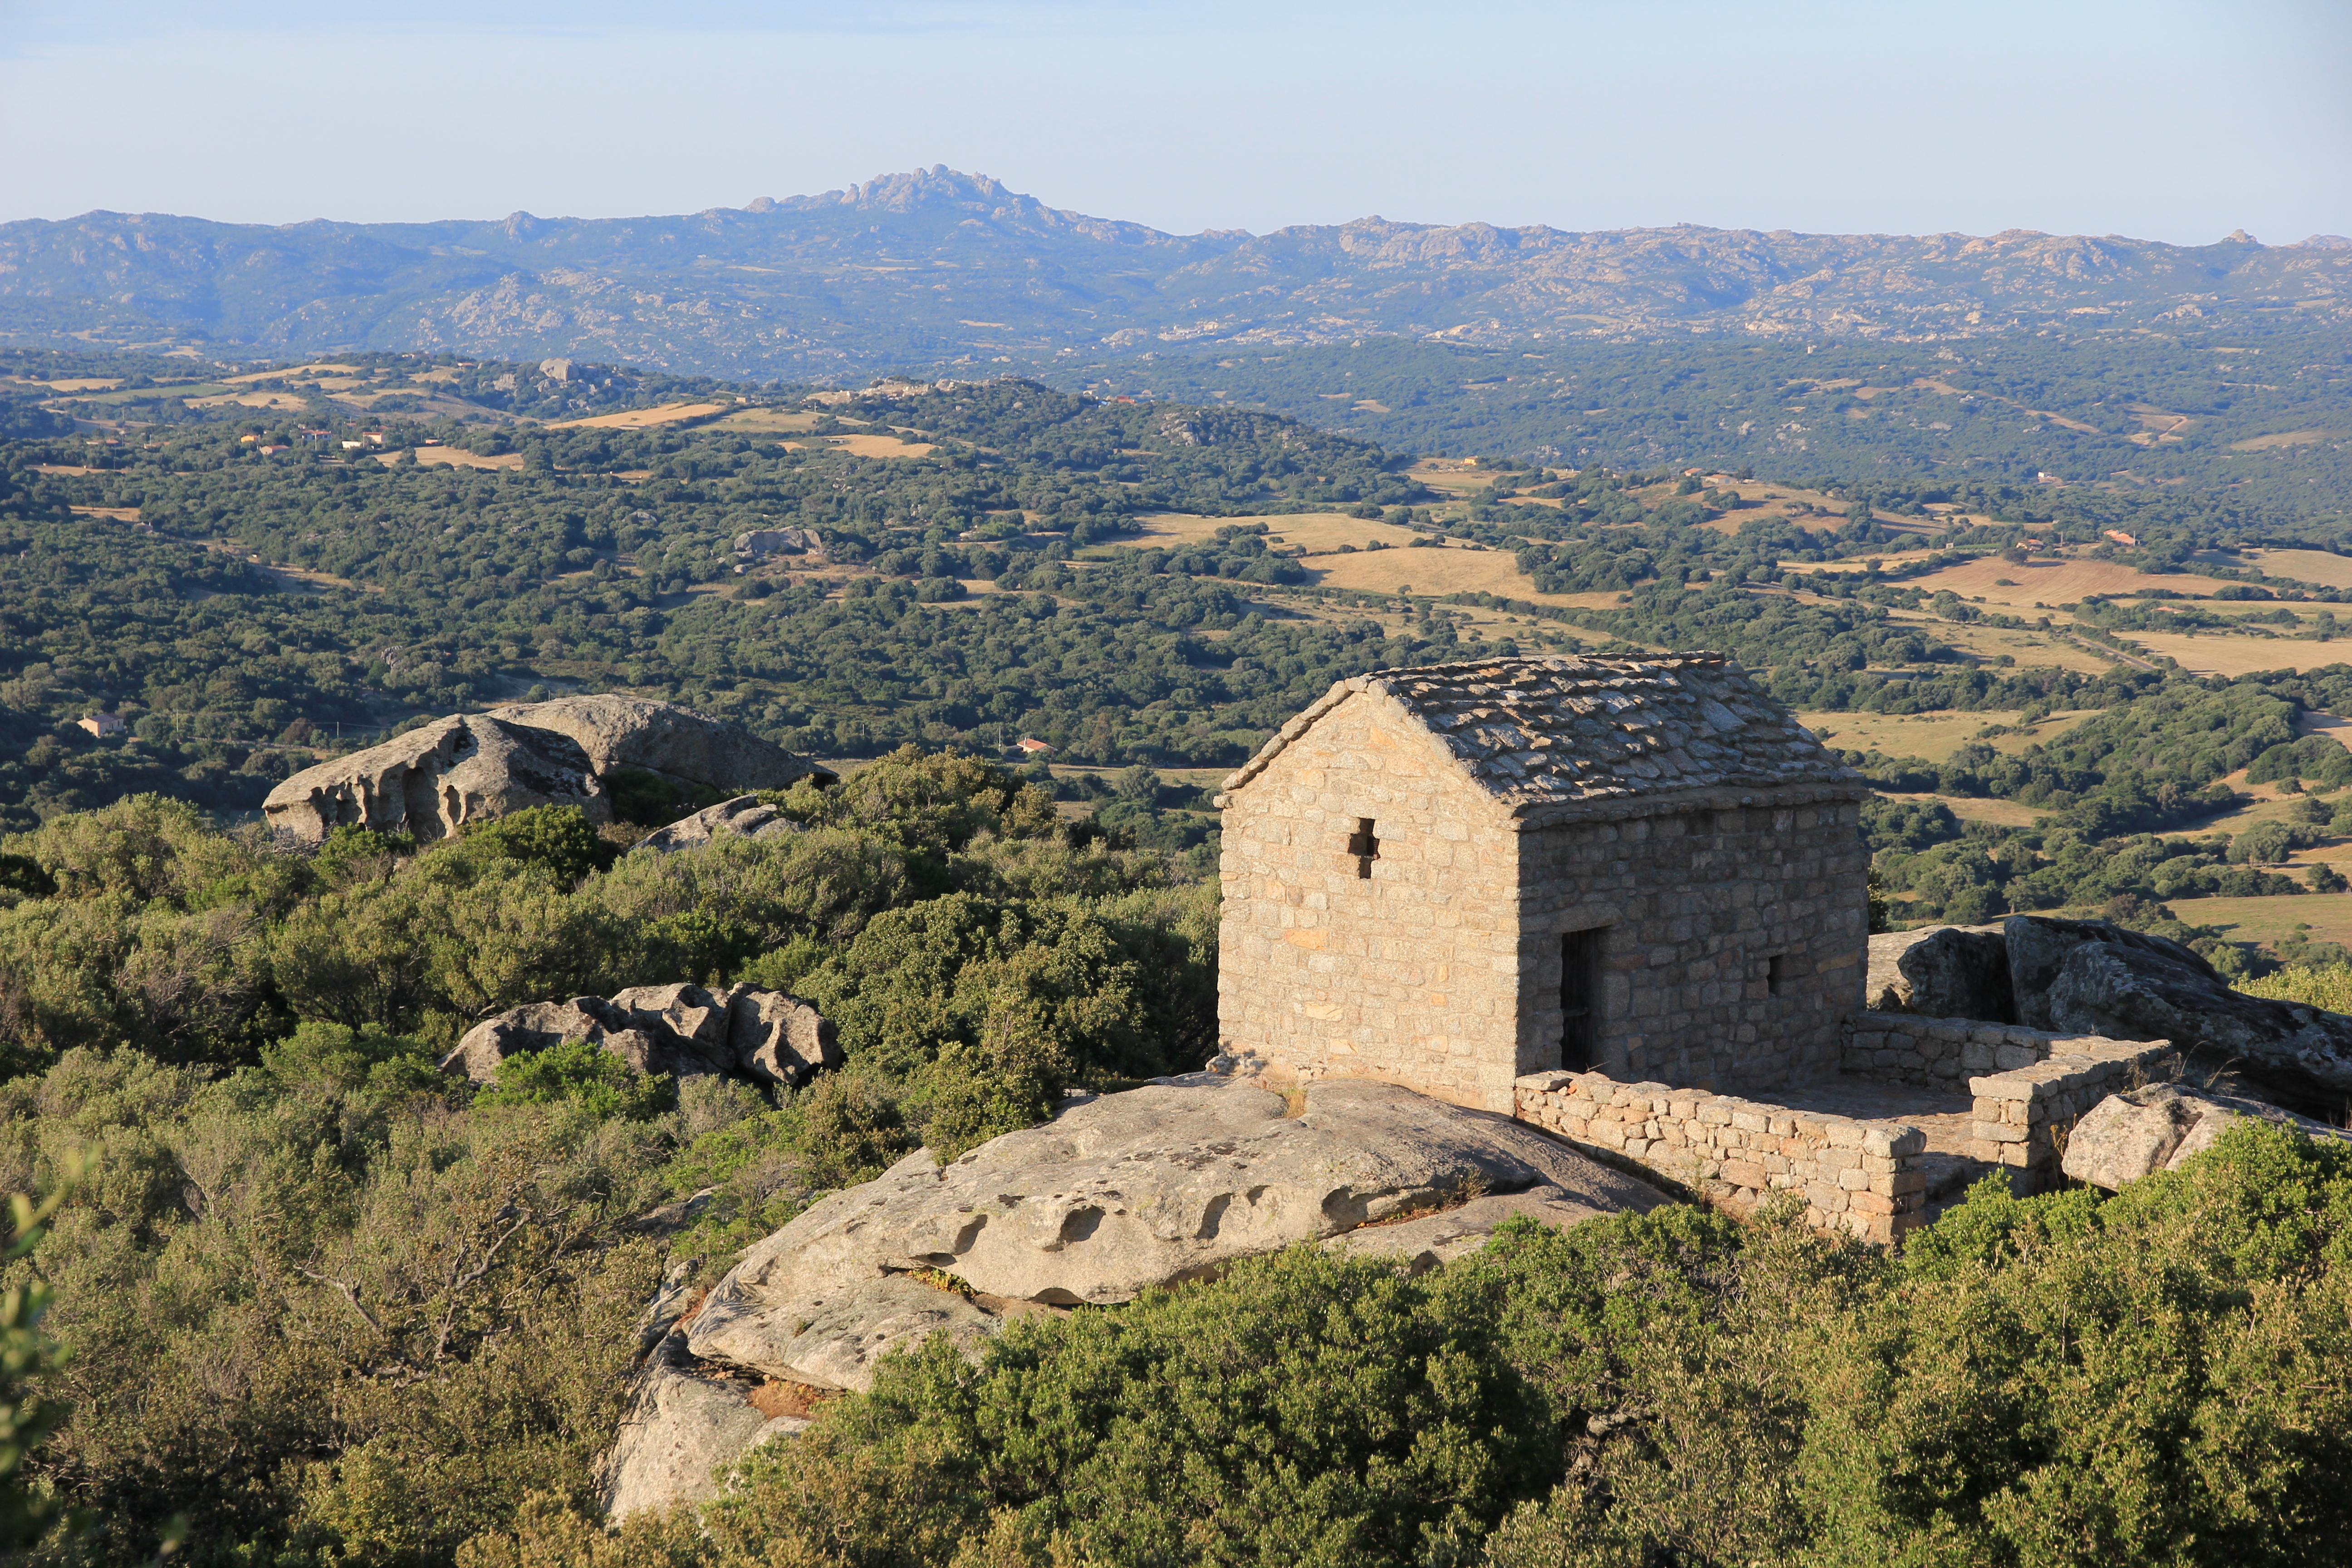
(1542,734)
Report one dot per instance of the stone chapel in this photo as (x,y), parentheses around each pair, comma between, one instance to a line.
(1451,877)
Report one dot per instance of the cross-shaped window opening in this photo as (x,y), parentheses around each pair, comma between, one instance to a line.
(1363,847)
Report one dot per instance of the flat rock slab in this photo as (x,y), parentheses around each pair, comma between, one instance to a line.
(1148,1187)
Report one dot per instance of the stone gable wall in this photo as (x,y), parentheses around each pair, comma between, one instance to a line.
(1408,975)
(1699,903)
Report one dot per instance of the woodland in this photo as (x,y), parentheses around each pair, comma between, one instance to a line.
(281,1292)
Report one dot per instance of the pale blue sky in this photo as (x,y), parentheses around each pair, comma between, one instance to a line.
(2176,120)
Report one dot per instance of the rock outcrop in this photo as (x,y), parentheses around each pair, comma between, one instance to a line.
(2039,945)
(1155,1185)
(680,1416)
(436,779)
(472,767)
(2089,977)
(687,1031)
(2149,989)
(662,738)
(745,816)
(1942,971)
(2127,1136)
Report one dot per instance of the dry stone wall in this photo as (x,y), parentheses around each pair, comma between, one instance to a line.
(2028,1087)
(1861,1176)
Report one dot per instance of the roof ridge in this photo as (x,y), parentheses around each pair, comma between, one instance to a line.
(1543,731)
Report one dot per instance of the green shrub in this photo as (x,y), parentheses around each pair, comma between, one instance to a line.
(559,838)
(583,1073)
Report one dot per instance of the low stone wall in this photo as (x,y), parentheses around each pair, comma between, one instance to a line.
(2022,1116)
(1943,1053)
(1859,1176)
(1866,1177)
(2028,1086)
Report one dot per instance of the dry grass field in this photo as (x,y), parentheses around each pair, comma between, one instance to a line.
(768,421)
(1997,813)
(292,400)
(2328,916)
(1436,571)
(2304,566)
(81,383)
(639,418)
(878,446)
(2283,438)
(300,370)
(118,513)
(2030,649)
(454,457)
(1454,476)
(2227,653)
(1318,533)
(2052,583)
(1934,735)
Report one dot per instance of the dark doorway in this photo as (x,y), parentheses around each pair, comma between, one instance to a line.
(1580,998)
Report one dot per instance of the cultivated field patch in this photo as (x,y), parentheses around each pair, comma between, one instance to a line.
(639,418)
(457,457)
(2328,916)
(2318,567)
(2232,653)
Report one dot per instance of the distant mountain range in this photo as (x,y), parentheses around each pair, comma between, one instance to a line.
(935,268)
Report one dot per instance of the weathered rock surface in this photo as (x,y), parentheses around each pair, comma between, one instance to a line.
(694,1020)
(2038,948)
(473,767)
(1123,1191)
(2148,989)
(1442,1237)
(685,1030)
(2126,1136)
(662,738)
(1154,1185)
(1942,971)
(436,779)
(779,1039)
(745,816)
(536,1026)
(682,1430)
(762,542)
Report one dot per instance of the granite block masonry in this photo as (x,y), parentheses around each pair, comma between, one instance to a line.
(1453,877)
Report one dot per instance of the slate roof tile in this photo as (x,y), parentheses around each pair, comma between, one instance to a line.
(1557,730)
